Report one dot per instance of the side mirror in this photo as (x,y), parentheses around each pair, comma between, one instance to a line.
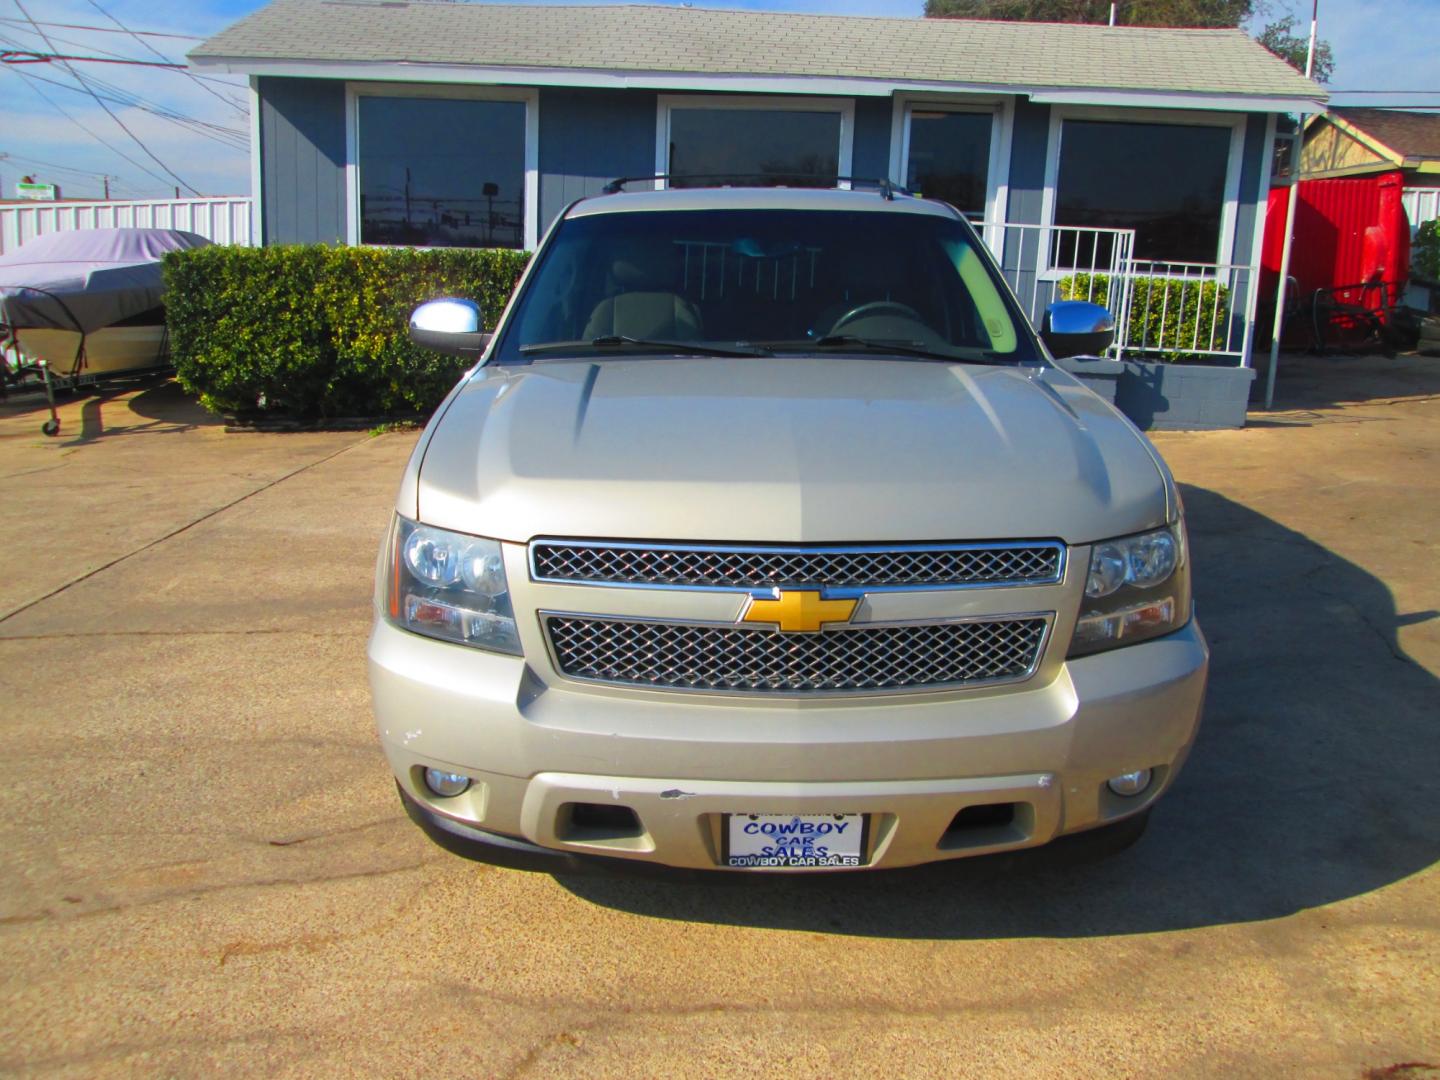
(449,326)
(1077,328)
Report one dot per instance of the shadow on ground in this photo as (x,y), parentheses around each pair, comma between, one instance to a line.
(1313,780)
(153,404)
(1310,381)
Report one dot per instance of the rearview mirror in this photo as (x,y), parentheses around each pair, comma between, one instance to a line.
(450,326)
(1077,328)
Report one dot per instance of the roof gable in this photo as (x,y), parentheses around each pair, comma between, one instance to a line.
(1405,134)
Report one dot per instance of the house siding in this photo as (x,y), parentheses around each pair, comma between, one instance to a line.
(1029,143)
(871,157)
(588,138)
(302,161)
(1251,198)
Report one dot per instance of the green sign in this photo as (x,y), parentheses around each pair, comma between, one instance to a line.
(36,191)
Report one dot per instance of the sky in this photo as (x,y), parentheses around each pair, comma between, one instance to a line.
(70,140)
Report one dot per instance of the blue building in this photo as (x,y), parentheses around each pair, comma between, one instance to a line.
(1117,150)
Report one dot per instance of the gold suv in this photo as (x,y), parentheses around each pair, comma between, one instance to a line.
(765,535)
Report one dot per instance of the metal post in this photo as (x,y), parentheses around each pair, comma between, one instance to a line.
(1289,223)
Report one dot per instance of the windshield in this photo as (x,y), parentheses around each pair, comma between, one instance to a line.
(765,281)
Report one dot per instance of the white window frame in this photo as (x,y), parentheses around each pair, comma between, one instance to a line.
(1002,133)
(354,91)
(1229,207)
(667,103)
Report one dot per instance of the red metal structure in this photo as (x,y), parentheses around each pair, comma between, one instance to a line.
(1349,262)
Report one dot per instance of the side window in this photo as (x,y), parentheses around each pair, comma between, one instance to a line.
(441,172)
(1171,190)
(949,158)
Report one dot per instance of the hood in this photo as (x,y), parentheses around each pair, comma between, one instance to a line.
(808,450)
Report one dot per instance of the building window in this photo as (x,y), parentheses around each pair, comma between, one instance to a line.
(441,172)
(798,143)
(1165,181)
(949,158)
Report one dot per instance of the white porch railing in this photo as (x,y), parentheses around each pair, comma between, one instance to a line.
(224,219)
(1093,259)
(1160,308)
(1194,309)
(1421,205)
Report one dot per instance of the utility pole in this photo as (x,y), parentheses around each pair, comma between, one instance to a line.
(106,181)
(1289,223)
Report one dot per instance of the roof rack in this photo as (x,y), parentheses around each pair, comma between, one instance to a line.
(888,189)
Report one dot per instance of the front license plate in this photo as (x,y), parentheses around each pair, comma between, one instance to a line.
(778,841)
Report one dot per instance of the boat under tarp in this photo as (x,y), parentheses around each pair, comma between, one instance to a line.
(86,305)
(88,279)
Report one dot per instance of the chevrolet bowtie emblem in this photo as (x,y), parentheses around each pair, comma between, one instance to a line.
(798,611)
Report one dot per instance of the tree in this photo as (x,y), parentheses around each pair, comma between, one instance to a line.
(1280,38)
(1195,13)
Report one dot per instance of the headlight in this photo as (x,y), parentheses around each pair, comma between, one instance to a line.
(1138,588)
(450,586)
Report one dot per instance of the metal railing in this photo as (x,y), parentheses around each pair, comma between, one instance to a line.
(223,219)
(1045,263)
(1189,309)
(1161,309)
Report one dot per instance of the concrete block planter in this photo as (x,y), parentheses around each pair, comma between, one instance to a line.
(1184,397)
(1101,376)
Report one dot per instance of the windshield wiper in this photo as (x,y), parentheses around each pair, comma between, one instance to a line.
(896,348)
(616,341)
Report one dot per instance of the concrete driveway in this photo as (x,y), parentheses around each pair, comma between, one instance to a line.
(205,869)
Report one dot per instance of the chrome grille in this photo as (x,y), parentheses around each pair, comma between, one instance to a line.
(917,566)
(687,656)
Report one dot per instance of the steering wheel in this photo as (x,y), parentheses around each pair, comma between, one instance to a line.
(875,307)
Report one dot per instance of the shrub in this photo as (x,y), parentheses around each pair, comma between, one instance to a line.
(1425,252)
(1172,317)
(317,331)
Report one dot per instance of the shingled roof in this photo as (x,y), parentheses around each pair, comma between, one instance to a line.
(1409,134)
(652,39)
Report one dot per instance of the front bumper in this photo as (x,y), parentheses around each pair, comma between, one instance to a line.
(535,750)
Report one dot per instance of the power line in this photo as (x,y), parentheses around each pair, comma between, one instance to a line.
(28,160)
(82,44)
(106,29)
(17,56)
(239,106)
(158,53)
(114,150)
(232,137)
(150,153)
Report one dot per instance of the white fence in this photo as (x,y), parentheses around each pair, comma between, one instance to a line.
(1421,205)
(1196,309)
(225,220)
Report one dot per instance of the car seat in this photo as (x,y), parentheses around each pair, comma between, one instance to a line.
(642,306)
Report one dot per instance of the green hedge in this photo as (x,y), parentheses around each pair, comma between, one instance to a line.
(315,331)
(1425,253)
(1155,301)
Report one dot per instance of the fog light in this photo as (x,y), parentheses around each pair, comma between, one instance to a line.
(446,784)
(1130,783)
